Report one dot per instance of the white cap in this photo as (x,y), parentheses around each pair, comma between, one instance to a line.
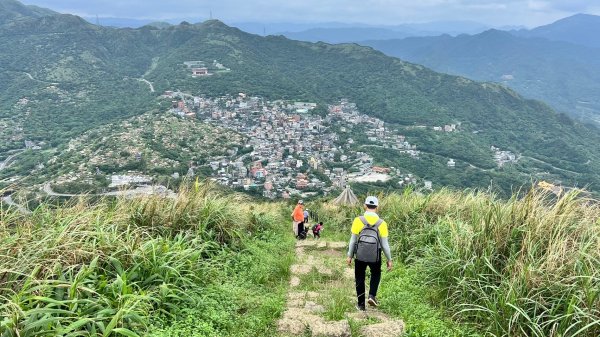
(372,201)
(300,202)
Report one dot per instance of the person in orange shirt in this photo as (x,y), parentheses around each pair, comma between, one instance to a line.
(298,217)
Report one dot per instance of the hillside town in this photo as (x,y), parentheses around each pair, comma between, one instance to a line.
(290,148)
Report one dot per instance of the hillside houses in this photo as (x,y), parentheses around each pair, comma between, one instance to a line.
(286,144)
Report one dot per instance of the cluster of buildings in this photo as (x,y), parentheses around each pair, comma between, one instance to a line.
(289,149)
(503,157)
(200,69)
(446,128)
(373,128)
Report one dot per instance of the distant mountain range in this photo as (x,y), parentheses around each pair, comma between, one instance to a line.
(582,29)
(566,75)
(358,33)
(68,76)
(332,32)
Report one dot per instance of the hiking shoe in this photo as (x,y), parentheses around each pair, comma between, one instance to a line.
(373,301)
(360,307)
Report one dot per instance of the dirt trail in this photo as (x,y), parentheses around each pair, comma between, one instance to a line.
(321,299)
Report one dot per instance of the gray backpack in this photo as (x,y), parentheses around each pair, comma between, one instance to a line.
(368,245)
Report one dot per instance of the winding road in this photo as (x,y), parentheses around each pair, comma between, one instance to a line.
(147,82)
(6,163)
(552,166)
(8,200)
(145,190)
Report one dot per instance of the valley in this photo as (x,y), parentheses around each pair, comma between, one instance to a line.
(134,104)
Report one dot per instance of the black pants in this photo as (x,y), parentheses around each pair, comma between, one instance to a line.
(360,270)
(300,228)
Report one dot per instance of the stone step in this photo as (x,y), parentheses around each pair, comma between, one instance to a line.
(304,316)
(370,314)
(391,328)
(337,245)
(331,329)
(296,321)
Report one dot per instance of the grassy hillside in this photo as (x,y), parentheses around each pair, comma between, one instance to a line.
(197,265)
(466,264)
(527,266)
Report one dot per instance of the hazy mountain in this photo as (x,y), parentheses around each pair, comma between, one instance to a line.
(332,32)
(583,29)
(11,10)
(565,75)
(119,22)
(134,23)
(159,24)
(350,34)
(452,27)
(359,33)
(75,76)
(276,28)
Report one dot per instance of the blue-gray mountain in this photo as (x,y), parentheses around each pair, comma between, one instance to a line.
(583,29)
(353,33)
(565,75)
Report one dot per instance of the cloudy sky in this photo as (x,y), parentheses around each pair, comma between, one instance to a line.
(389,12)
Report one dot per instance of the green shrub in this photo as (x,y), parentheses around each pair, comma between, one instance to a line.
(523,267)
(117,268)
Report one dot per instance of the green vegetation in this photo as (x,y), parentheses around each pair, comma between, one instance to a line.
(527,266)
(408,296)
(562,74)
(88,76)
(467,264)
(188,266)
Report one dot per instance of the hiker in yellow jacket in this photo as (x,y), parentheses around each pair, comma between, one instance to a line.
(369,238)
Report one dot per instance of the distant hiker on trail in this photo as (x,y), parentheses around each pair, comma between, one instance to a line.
(298,218)
(316,229)
(369,238)
(306,215)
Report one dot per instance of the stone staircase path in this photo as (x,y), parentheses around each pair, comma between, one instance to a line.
(322,287)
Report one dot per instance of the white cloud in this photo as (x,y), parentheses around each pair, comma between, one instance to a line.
(537,5)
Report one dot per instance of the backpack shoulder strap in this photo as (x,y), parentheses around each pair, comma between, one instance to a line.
(376,228)
(364,220)
(377,224)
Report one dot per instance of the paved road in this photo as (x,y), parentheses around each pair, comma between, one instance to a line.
(145,190)
(147,82)
(8,159)
(554,167)
(8,200)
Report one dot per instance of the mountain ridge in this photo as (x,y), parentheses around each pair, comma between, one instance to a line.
(11,10)
(97,70)
(579,29)
(562,73)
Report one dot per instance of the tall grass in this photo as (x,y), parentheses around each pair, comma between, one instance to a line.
(108,268)
(529,266)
